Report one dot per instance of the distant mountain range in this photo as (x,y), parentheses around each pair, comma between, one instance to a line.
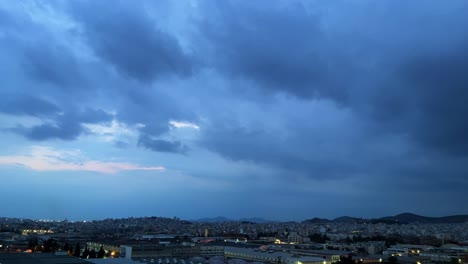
(412,218)
(403,218)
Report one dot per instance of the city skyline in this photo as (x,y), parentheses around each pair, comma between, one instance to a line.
(402,218)
(283,110)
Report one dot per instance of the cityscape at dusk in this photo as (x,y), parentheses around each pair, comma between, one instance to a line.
(282,110)
(234,132)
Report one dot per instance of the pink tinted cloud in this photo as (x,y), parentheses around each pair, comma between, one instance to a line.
(48,159)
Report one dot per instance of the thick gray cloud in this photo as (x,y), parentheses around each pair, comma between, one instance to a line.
(418,89)
(67,126)
(161,145)
(17,104)
(398,68)
(60,71)
(64,130)
(39,54)
(294,155)
(138,48)
(52,64)
(89,115)
(436,92)
(282,48)
(125,36)
(417,85)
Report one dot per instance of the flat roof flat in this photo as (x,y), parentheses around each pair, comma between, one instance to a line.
(39,258)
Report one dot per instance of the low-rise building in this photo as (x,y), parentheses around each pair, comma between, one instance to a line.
(271,256)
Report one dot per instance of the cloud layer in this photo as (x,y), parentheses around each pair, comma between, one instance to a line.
(290,95)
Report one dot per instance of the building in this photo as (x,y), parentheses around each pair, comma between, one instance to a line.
(114,261)
(330,255)
(271,256)
(43,258)
(211,251)
(145,250)
(294,238)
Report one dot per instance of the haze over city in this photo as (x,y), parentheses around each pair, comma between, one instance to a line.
(284,110)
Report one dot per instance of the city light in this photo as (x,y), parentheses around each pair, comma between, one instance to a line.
(275,246)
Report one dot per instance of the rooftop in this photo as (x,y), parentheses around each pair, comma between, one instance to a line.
(39,258)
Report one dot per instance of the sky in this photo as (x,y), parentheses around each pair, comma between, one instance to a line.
(284,109)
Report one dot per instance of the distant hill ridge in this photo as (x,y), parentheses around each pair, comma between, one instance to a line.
(403,218)
(413,218)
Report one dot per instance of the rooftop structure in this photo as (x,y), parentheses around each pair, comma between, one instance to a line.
(42,258)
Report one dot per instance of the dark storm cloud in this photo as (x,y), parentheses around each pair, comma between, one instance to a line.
(67,126)
(153,110)
(155,128)
(395,62)
(284,154)
(17,104)
(61,70)
(37,51)
(438,97)
(150,108)
(161,145)
(424,86)
(126,37)
(62,129)
(281,48)
(53,64)
(92,116)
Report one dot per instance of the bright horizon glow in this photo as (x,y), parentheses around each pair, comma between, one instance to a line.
(48,159)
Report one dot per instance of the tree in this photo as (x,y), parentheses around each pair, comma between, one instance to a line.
(77,250)
(66,247)
(317,238)
(346,259)
(92,254)
(101,253)
(32,244)
(50,245)
(358,238)
(454,261)
(85,254)
(361,251)
(392,260)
